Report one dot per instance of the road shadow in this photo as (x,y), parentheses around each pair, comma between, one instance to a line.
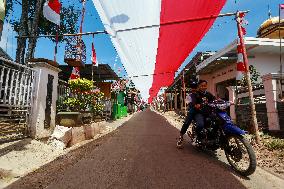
(215,156)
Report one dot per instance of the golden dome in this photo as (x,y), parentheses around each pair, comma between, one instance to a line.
(270,28)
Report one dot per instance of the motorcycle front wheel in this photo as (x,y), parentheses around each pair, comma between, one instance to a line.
(240,155)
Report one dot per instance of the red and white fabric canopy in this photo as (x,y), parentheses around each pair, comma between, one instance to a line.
(157,47)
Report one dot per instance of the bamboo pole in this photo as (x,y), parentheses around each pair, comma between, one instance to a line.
(142,27)
(247,76)
(281,68)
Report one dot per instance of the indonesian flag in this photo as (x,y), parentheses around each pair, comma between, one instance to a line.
(75,73)
(94,58)
(51,11)
(154,37)
(281,11)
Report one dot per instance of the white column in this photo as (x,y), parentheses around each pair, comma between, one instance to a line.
(232,98)
(270,87)
(46,74)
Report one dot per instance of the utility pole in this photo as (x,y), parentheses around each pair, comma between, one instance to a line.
(247,76)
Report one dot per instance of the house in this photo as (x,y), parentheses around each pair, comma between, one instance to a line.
(264,54)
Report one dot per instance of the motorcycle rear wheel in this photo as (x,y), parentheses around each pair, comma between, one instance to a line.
(239,149)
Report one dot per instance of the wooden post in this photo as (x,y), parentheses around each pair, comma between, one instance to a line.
(247,76)
(175,99)
(171,101)
(184,92)
(181,99)
(281,68)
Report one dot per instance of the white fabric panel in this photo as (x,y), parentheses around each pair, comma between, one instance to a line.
(137,48)
(50,14)
(240,57)
(239,76)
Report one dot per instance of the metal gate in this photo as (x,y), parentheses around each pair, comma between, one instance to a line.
(280,107)
(16,89)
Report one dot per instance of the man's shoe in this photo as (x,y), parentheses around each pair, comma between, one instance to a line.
(180,142)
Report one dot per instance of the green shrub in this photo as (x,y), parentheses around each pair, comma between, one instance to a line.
(84,96)
(275,144)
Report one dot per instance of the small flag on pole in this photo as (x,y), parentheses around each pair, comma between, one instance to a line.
(94,58)
(281,11)
(51,11)
(75,73)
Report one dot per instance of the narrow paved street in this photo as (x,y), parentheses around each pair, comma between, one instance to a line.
(140,154)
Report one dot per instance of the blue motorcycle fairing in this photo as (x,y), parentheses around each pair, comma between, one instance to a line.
(230,127)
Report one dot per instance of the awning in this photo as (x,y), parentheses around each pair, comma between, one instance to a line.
(228,54)
(101,73)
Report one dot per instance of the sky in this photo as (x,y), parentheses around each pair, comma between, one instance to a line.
(221,34)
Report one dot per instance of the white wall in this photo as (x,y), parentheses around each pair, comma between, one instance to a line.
(263,63)
(266,63)
(39,102)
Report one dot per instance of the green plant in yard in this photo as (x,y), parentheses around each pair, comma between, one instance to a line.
(81,85)
(275,144)
(74,104)
(85,96)
(254,76)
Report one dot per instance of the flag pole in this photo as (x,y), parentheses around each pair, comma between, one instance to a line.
(56,43)
(281,68)
(92,60)
(247,76)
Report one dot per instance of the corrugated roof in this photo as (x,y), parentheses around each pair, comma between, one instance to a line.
(101,72)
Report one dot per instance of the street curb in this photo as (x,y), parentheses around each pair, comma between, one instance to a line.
(274,174)
(80,144)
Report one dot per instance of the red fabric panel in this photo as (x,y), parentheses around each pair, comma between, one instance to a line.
(241,67)
(176,41)
(55,5)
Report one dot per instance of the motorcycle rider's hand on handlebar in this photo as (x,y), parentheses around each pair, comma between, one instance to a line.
(197,106)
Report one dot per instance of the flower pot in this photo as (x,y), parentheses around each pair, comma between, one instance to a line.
(69,119)
(97,118)
(86,117)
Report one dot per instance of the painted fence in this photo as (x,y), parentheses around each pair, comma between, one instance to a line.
(16,94)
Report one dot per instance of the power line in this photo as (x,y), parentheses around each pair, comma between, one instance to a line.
(147,75)
(66,35)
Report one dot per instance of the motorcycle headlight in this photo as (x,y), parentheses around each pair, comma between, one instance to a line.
(222,106)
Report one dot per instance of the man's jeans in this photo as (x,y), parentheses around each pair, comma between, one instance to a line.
(187,121)
(199,119)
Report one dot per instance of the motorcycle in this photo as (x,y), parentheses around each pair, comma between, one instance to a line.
(221,132)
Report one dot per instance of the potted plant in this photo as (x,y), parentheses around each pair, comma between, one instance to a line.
(80,103)
(97,105)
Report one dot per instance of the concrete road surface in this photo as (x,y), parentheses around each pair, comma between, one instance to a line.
(141,154)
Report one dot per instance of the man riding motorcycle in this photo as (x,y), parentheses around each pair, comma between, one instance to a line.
(202,97)
(190,114)
(196,111)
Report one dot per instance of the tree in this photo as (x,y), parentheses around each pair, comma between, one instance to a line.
(32,23)
(254,74)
